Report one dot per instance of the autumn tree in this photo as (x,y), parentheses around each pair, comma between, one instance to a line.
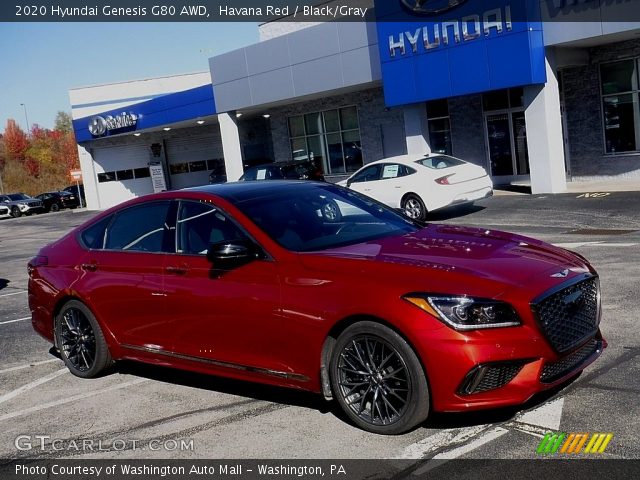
(15,141)
(41,161)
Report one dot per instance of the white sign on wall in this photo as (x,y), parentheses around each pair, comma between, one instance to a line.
(157,177)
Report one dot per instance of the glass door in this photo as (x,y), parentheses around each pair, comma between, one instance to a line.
(499,144)
(520,143)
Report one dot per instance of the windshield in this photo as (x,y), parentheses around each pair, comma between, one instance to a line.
(315,217)
(18,196)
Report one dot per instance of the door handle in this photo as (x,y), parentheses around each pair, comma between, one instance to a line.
(177,270)
(89,267)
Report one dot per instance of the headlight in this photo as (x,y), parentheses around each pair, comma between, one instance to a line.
(466,313)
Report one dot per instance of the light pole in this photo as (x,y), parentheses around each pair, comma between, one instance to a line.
(26,117)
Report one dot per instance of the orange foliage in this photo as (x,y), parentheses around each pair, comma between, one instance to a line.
(37,162)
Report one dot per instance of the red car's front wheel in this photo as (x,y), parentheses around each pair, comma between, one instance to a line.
(378,380)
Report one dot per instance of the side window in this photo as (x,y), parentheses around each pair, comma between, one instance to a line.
(368,174)
(94,236)
(140,228)
(391,170)
(199,225)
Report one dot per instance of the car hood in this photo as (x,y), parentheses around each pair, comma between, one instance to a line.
(500,257)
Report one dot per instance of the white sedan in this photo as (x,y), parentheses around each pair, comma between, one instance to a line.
(421,184)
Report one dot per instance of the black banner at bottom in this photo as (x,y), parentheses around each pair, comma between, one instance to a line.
(544,468)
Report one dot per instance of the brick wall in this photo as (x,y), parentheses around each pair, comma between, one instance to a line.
(467,129)
(583,112)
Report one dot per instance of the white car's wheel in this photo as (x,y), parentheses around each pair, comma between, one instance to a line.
(413,207)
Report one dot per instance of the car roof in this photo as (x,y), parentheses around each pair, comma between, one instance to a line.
(239,191)
(408,159)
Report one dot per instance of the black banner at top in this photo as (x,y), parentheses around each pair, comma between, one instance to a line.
(296,11)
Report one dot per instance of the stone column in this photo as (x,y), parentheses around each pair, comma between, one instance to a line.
(415,127)
(544,132)
(231,146)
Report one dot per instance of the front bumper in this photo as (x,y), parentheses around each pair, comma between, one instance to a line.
(505,370)
(31,208)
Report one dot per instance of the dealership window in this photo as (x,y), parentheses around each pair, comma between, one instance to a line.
(620,106)
(122,175)
(439,126)
(331,138)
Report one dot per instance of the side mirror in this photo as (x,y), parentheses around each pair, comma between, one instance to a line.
(233,253)
(349,182)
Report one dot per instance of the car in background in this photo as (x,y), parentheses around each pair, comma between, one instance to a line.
(21,204)
(249,280)
(56,201)
(294,170)
(419,184)
(4,210)
(77,190)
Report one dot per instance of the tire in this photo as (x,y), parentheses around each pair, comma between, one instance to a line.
(86,355)
(413,207)
(387,406)
(54,207)
(331,212)
(15,212)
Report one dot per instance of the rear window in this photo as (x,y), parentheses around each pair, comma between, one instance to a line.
(440,161)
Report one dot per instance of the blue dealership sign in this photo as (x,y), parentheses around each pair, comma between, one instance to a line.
(433,49)
(166,109)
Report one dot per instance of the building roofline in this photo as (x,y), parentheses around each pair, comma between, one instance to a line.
(139,80)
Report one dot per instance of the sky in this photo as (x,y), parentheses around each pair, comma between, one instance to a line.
(40,62)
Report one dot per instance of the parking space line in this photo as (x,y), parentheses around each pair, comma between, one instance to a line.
(29,365)
(29,386)
(16,320)
(75,398)
(439,440)
(14,293)
(485,438)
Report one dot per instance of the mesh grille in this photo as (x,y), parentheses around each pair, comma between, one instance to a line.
(496,377)
(553,371)
(490,377)
(569,316)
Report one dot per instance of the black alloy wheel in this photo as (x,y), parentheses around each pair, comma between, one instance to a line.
(80,341)
(378,380)
(15,212)
(55,207)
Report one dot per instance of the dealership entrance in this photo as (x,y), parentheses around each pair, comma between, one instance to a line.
(506,135)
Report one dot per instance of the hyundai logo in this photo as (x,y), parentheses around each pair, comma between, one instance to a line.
(562,274)
(97,126)
(430,7)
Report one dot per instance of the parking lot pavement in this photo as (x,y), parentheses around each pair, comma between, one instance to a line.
(142,411)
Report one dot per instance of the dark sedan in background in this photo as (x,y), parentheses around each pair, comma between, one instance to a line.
(56,201)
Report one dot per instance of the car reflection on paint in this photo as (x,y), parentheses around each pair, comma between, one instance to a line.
(254,281)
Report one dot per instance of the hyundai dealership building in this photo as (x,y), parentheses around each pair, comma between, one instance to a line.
(539,91)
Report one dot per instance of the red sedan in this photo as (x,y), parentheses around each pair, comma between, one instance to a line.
(313,286)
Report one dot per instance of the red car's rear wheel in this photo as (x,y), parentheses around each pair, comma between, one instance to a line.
(80,341)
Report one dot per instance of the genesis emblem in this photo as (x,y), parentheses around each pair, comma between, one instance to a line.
(562,274)
(430,7)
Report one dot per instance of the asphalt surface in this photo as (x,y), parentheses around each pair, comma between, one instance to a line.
(155,408)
